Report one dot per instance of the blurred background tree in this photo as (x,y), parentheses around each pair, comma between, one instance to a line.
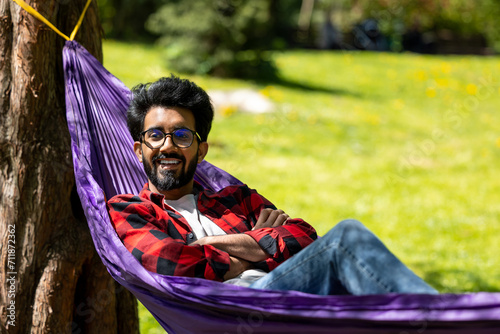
(234,37)
(434,24)
(223,37)
(125,19)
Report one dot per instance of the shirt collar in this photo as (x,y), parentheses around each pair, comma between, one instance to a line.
(157,198)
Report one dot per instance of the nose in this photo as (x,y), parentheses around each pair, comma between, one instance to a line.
(168,144)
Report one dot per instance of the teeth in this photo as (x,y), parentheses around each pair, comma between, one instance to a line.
(169,162)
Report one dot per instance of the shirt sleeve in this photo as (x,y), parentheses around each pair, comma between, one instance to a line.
(281,242)
(152,238)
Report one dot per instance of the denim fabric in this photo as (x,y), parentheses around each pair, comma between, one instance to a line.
(347,260)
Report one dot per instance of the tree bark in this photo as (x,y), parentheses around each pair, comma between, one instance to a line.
(51,279)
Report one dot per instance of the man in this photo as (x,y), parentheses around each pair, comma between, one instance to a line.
(175,227)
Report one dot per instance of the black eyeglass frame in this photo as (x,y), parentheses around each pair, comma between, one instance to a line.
(171,134)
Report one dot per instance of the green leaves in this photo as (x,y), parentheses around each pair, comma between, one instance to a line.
(224,38)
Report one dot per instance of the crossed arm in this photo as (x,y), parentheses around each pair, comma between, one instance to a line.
(157,238)
(242,248)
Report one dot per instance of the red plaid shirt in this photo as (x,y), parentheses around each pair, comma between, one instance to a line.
(159,237)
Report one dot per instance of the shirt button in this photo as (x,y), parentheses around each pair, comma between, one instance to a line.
(190,236)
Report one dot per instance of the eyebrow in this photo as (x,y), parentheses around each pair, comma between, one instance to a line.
(162,129)
(155,128)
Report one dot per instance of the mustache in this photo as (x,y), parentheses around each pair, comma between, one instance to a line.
(168,156)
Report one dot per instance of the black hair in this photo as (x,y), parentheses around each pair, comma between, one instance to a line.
(170,92)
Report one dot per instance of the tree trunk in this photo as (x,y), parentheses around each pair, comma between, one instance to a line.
(51,279)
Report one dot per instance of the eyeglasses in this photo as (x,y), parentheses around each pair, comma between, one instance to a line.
(155,138)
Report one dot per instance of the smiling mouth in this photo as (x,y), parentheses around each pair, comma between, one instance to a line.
(168,163)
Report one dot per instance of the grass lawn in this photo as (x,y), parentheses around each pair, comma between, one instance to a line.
(407,144)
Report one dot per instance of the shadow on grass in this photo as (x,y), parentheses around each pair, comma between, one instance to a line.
(267,74)
(436,279)
(278,81)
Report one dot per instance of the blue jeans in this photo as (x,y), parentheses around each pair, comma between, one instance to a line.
(347,260)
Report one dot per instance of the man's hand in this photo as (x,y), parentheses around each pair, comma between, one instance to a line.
(236,267)
(242,248)
(271,218)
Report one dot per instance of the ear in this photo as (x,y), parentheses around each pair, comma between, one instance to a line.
(202,151)
(138,150)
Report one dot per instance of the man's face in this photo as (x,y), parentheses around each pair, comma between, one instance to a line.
(170,169)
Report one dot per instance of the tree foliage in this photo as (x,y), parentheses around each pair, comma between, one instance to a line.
(232,37)
(223,37)
(125,19)
(462,17)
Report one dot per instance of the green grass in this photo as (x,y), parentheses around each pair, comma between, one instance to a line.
(408,144)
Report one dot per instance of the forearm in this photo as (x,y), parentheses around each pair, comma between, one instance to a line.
(236,267)
(237,245)
(284,241)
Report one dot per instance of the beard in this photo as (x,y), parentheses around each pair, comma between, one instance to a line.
(165,180)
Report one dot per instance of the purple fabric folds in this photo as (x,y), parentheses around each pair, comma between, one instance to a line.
(105,165)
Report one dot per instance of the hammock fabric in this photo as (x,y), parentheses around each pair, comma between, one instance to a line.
(105,165)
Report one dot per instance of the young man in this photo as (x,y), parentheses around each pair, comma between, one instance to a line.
(175,227)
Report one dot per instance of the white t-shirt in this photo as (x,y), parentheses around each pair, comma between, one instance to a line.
(202,226)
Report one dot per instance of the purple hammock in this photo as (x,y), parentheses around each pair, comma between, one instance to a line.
(105,165)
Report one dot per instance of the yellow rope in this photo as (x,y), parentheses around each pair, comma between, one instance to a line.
(33,12)
(80,20)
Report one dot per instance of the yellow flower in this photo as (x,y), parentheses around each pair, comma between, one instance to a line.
(442,82)
(357,109)
(266,91)
(312,119)
(373,119)
(430,92)
(398,104)
(445,68)
(498,142)
(228,110)
(421,75)
(277,95)
(471,89)
(272,92)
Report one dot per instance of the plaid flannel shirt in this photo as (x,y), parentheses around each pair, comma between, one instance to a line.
(159,237)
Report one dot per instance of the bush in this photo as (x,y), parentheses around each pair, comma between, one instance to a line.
(124,19)
(222,38)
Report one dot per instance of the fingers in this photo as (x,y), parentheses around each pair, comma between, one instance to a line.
(264,214)
(271,218)
(280,219)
